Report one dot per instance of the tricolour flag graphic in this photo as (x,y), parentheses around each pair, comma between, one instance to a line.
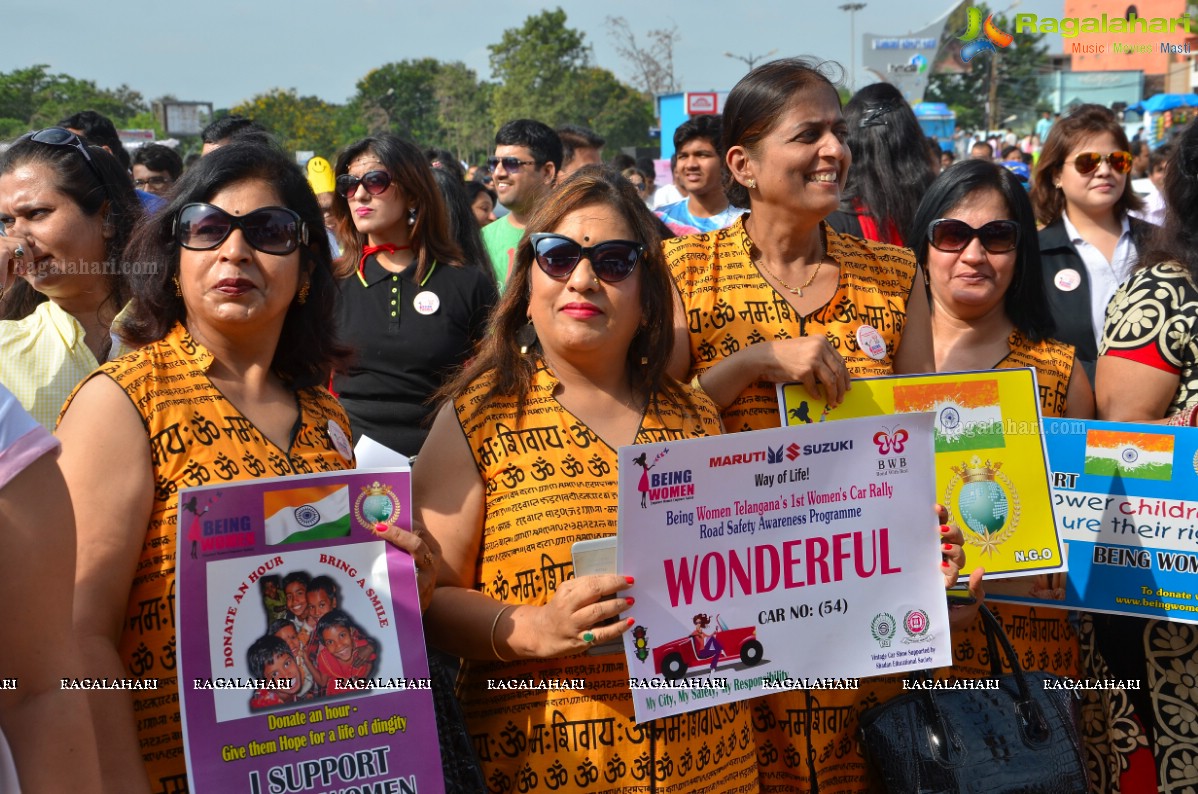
(967,414)
(1143,456)
(302,514)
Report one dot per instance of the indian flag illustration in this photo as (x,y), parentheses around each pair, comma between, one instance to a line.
(298,515)
(967,414)
(1143,456)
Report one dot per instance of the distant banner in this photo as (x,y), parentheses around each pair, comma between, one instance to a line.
(990,468)
(763,560)
(302,666)
(1126,499)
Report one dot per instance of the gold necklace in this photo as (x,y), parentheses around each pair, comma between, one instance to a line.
(760,261)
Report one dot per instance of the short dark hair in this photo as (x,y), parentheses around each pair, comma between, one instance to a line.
(156,157)
(113,192)
(950,154)
(590,186)
(758,101)
(233,127)
(540,140)
(1025,303)
(989,148)
(409,169)
(707,127)
(647,166)
(574,137)
(621,161)
(98,129)
(1008,150)
(265,650)
(474,187)
(308,350)
(1084,122)
(297,576)
(278,625)
(1159,156)
(327,584)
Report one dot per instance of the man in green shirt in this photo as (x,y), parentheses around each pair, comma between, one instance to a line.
(527,157)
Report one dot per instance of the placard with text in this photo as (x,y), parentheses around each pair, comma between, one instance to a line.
(1126,499)
(302,664)
(764,558)
(990,461)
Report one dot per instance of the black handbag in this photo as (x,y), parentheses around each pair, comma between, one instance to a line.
(1020,738)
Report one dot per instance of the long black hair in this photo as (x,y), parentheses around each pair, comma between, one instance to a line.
(1025,303)
(1177,240)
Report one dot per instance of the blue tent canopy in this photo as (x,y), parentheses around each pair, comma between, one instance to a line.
(1163,102)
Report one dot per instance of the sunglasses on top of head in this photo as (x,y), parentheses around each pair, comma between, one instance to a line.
(58,136)
(611,261)
(271,230)
(953,236)
(375,183)
(1088,162)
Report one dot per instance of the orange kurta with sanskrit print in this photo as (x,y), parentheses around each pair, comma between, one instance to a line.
(729,305)
(196,437)
(550,481)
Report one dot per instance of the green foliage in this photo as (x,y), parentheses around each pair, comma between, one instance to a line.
(298,122)
(1018,89)
(35,98)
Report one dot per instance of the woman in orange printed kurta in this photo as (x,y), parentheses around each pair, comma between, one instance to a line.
(975,234)
(236,323)
(541,429)
(780,297)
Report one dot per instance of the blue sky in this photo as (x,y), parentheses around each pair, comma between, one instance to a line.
(225,51)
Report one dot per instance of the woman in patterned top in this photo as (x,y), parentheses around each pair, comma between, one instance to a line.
(236,320)
(779,296)
(521,464)
(1151,340)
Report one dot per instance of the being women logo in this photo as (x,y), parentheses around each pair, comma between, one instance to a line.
(982,36)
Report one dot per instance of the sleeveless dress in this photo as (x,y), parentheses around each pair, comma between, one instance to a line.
(729,305)
(196,437)
(551,481)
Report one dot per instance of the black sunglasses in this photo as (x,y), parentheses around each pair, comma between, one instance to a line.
(952,236)
(510,164)
(58,136)
(612,261)
(375,183)
(271,230)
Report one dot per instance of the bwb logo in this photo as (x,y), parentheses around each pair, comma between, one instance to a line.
(888,441)
(976,28)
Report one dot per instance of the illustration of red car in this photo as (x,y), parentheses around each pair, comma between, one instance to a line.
(673,659)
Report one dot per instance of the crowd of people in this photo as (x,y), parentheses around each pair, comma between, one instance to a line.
(376,293)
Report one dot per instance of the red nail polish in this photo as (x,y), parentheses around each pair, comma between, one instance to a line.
(945,564)
(632,621)
(630,601)
(948,547)
(944,529)
(630,580)
(380,527)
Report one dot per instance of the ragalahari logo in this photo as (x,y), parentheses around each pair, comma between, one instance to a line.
(990,33)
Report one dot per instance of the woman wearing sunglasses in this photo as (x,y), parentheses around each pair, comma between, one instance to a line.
(236,323)
(409,308)
(574,368)
(66,212)
(974,234)
(1150,341)
(1088,243)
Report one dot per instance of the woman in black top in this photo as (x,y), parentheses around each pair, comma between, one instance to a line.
(409,307)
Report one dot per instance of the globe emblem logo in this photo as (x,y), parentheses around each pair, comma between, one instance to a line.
(986,502)
(377,504)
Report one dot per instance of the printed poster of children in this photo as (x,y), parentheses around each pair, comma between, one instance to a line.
(301,652)
(765,559)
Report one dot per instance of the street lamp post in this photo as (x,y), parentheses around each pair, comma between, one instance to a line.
(750,59)
(852,8)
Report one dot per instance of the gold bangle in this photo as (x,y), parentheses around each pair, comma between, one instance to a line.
(495,623)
